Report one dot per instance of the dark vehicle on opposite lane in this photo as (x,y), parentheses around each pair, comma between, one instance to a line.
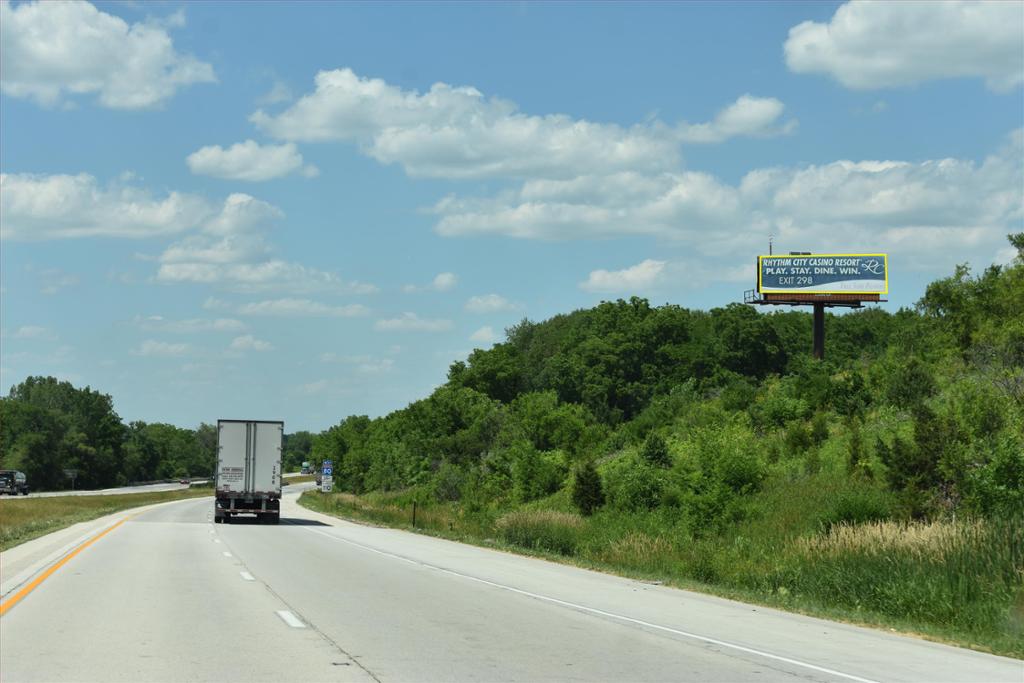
(13,482)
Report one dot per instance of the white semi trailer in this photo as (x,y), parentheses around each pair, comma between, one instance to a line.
(248,470)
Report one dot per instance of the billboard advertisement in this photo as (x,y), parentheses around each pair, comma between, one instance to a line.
(823,274)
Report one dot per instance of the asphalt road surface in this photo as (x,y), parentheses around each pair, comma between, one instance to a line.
(168,596)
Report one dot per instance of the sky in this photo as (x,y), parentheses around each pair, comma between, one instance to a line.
(308,211)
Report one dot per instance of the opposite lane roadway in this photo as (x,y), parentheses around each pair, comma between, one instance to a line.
(169,596)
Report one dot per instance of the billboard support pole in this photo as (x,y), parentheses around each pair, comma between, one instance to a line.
(819,331)
(820,281)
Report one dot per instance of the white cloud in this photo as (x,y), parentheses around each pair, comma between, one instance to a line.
(53,50)
(212,303)
(443,282)
(485,335)
(410,322)
(675,205)
(230,251)
(312,388)
(301,308)
(38,207)
(31,332)
(242,213)
(248,161)
(151,347)
(279,92)
(490,303)
(870,45)
(455,132)
(937,205)
(748,116)
(190,325)
(54,280)
(642,276)
(266,276)
(375,367)
(250,343)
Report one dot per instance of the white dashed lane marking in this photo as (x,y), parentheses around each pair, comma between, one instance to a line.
(290,619)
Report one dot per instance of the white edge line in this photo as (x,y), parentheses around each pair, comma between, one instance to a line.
(290,619)
(247,576)
(611,615)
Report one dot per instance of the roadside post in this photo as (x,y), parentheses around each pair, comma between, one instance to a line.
(327,477)
(71,474)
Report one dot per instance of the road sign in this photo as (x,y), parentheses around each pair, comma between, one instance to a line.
(328,472)
(326,484)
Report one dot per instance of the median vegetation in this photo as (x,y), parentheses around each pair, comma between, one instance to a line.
(884,485)
(23,519)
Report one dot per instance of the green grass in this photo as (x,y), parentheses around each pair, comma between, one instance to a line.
(957,582)
(27,518)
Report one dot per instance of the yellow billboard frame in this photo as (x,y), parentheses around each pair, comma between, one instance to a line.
(884,257)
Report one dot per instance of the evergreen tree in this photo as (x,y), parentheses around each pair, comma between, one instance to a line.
(587,491)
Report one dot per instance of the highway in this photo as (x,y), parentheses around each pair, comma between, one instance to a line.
(144,488)
(166,595)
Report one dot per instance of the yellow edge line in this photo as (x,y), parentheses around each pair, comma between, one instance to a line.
(17,597)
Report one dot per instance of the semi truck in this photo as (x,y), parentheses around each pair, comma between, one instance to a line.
(13,482)
(248,477)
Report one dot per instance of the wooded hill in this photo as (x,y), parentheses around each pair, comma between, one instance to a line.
(691,409)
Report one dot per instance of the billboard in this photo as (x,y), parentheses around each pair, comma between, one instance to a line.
(823,274)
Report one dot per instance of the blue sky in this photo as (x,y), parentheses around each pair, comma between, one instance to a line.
(306,211)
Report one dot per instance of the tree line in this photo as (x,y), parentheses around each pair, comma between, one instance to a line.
(48,426)
(656,406)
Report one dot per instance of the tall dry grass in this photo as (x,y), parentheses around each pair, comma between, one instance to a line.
(546,530)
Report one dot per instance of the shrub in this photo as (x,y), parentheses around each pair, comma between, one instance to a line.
(587,492)
(546,530)
(798,439)
(655,451)
(448,482)
(634,485)
(536,474)
(819,429)
(858,506)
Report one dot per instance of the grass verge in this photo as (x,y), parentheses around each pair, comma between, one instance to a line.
(24,519)
(960,583)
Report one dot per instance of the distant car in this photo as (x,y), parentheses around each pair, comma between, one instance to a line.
(185,482)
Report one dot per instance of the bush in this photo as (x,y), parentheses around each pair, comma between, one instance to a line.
(448,481)
(587,492)
(536,474)
(655,451)
(546,530)
(858,506)
(797,439)
(634,485)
